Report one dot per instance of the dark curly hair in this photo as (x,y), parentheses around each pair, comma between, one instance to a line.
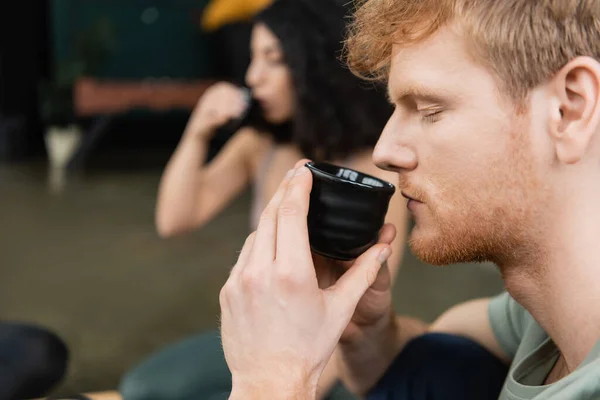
(337,114)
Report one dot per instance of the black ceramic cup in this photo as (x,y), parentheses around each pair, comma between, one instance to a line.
(347,210)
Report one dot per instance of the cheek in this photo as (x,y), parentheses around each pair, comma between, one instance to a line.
(284,87)
(535,126)
(468,159)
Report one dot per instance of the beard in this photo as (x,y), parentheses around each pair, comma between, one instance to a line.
(462,238)
(491,217)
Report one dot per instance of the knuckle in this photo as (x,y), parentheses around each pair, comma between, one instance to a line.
(224,296)
(288,280)
(251,282)
(212,90)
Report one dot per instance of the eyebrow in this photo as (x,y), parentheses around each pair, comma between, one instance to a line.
(415,92)
(270,49)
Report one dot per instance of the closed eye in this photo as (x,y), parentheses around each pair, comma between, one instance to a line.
(432,116)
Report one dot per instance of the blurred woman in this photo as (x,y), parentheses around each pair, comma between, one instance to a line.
(310,106)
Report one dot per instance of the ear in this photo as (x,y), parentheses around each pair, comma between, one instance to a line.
(575,117)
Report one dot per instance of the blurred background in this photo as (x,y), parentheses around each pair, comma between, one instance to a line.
(94,97)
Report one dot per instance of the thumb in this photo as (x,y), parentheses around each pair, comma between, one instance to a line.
(351,286)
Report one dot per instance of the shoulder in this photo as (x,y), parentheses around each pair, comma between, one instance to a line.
(254,144)
(252,135)
(251,140)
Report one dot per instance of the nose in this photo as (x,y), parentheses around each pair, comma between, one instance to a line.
(392,151)
(253,75)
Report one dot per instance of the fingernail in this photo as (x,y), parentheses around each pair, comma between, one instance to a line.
(289,174)
(384,255)
(301,170)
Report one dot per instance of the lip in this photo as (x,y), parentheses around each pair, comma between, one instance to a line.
(263,103)
(412,203)
(408,197)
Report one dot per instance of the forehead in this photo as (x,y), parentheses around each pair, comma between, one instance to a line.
(263,38)
(441,63)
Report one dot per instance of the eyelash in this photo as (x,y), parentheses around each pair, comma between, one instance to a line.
(432,117)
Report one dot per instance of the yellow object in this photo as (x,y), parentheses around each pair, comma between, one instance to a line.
(222,12)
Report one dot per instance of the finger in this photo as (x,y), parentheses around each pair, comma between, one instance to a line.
(232,97)
(292,231)
(387,234)
(240,109)
(233,111)
(244,255)
(239,101)
(243,99)
(220,117)
(301,163)
(266,234)
(351,286)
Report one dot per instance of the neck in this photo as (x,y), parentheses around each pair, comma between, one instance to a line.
(561,286)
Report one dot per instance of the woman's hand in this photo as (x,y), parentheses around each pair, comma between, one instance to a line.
(221,102)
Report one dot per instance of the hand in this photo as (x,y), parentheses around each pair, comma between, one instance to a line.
(221,103)
(375,306)
(278,327)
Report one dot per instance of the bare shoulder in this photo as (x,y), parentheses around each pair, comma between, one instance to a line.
(251,141)
(253,137)
(255,145)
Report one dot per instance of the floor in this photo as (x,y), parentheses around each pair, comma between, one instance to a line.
(85,261)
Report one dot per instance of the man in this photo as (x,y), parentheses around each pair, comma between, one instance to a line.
(496,142)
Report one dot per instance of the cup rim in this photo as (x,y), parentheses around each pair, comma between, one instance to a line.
(387,186)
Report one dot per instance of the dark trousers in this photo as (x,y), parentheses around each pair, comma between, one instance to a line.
(431,367)
(32,361)
(439,366)
(193,369)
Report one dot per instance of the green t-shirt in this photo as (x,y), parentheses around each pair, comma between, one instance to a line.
(534,355)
